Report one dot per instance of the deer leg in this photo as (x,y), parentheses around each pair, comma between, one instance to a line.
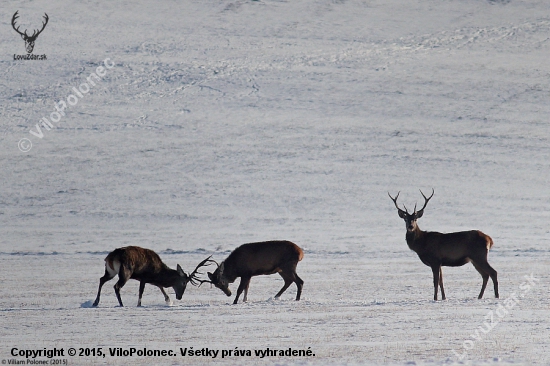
(141,288)
(486,271)
(117,288)
(123,277)
(485,277)
(166,297)
(485,280)
(246,291)
(493,275)
(441,283)
(435,271)
(299,283)
(289,278)
(106,277)
(245,281)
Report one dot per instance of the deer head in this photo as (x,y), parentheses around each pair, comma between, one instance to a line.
(410,218)
(179,286)
(29,40)
(219,280)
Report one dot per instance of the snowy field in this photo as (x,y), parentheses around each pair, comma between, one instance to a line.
(217,123)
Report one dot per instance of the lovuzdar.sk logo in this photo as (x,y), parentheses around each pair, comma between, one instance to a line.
(29,39)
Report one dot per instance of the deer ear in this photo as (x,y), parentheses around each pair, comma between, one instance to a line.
(401,214)
(419,214)
(211,276)
(180,271)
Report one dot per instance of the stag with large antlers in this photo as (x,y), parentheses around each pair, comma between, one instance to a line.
(145,266)
(452,249)
(29,40)
(263,258)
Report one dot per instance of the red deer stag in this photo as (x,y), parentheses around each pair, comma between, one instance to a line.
(452,249)
(145,266)
(255,259)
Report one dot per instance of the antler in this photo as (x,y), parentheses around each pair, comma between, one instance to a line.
(426,200)
(193,276)
(395,202)
(36,31)
(15,16)
(35,34)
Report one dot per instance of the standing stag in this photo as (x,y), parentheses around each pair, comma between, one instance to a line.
(145,266)
(453,249)
(255,259)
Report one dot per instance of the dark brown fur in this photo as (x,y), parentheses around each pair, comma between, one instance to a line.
(452,249)
(263,258)
(145,266)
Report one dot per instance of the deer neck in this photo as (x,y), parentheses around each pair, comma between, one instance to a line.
(167,277)
(229,271)
(229,276)
(415,239)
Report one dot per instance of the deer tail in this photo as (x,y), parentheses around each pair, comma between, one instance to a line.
(489,242)
(300,254)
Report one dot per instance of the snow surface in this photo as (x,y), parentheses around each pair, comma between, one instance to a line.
(232,121)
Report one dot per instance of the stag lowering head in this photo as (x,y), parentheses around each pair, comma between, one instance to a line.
(254,259)
(145,266)
(219,280)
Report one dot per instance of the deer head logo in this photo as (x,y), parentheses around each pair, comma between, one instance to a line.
(29,40)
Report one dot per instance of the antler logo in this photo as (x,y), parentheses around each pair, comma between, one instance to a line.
(29,40)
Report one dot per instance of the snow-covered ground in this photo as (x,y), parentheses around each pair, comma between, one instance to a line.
(231,121)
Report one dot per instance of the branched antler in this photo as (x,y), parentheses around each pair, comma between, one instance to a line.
(426,200)
(195,281)
(13,19)
(395,202)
